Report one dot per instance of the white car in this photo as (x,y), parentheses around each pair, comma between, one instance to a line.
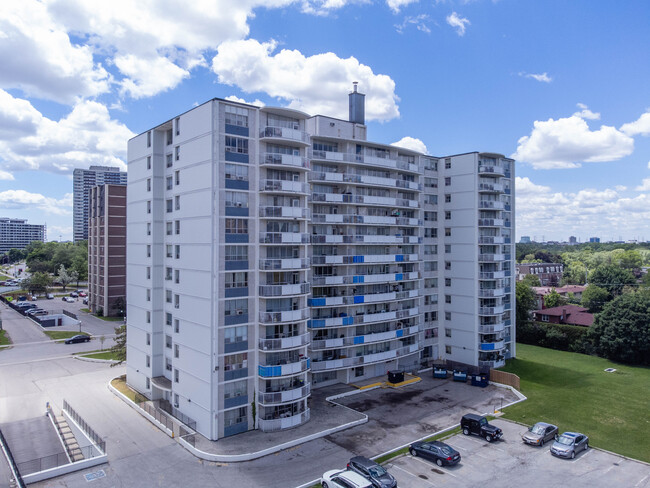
(344,479)
(68,299)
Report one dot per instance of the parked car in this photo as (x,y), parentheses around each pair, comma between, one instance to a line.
(540,433)
(26,306)
(33,299)
(68,299)
(478,425)
(78,338)
(74,294)
(378,476)
(49,296)
(337,478)
(569,444)
(83,294)
(32,311)
(439,452)
(38,313)
(85,300)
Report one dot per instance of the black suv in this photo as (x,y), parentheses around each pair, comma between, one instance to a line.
(478,425)
(376,474)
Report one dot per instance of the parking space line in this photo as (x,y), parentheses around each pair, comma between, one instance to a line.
(642,480)
(583,455)
(430,466)
(409,473)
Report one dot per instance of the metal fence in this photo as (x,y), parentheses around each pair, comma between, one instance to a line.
(99,442)
(46,462)
(157,414)
(10,458)
(167,407)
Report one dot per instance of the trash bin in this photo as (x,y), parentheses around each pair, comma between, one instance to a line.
(395,376)
(480,380)
(440,373)
(460,376)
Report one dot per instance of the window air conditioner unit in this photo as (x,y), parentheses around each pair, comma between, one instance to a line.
(240,312)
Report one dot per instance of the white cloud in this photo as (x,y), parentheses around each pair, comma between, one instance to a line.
(458,23)
(87,135)
(419,22)
(396,5)
(541,77)
(38,57)
(6,175)
(620,187)
(316,84)
(606,213)
(412,144)
(585,113)
(257,102)
(147,77)
(59,233)
(325,7)
(21,199)
(567,142)
(641,126)
(644,186)
(648,164)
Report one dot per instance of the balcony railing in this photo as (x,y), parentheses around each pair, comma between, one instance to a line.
(286,264)
(489,293)
(491,328)
(336,342)
(491,310)
(274,159)
(490,187)
(491,240)
(284,238)
(283,423)
(288,289)
(491,275)
(497,363)
(490,222)
(283,186)
(277,344)
(285,133)
(285,316)
(492,346)
(361,158)
(272,371)
(490,204)
(491,169)
(284,396)
(284,212)
(491,258)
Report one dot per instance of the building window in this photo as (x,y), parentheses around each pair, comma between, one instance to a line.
(177,202)
(236,199)
(177,276)
(168,364)
(176,351)
(235,416)
(178,125)
(236,116)
(177,251)
(177,301)
(447,315)
(236,145)
(148,294)
(168,318)
(447,349)
(148,361)
(545,318)
(148,206)
(169,252)
(448,181)
(149,139)
(233,335)
(170,138)
(177,226)
(447,198)
(447,281)
(236,307)
(447,248)
(147,383)
(148,228)
(177,177)
(235,361)
(447,332)
(168,341)
(447,231)
(148,317)
(148,272)
(236,280)
(170,160)
(235,389)
(177,326)
(169,205)
(447,215)
(168,228)
(447,265)
(168,296)
(168,273)
(447,163)
(148,162)
(447,298)
(148,250)
(169,183)
(236,172)
(176,378)
(236,226)
(148,184)
(177,152)
(236,253)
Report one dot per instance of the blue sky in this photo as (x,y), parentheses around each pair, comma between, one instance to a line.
(561,86)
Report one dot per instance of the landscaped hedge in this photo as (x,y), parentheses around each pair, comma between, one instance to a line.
(554,336)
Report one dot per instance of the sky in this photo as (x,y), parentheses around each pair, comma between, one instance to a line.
(562,87)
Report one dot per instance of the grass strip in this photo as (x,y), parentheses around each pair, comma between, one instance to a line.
(4,338)
(120,385)
(62,334)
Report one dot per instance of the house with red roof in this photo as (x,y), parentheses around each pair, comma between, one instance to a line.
(565,314)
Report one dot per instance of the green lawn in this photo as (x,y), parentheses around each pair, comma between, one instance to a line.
(100,355)
(121,386)
(4,338)
(62,334)
(573,392)
(110,319)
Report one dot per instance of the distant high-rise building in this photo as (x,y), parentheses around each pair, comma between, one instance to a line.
(573,240)
(83,181)
(524,240)
(594,239)
(17,234)
(107,250)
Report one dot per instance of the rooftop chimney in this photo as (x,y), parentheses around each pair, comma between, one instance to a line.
(357,105)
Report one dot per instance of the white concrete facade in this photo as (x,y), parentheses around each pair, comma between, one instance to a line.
(269,252)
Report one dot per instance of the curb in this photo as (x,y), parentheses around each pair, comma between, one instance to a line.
(94,360)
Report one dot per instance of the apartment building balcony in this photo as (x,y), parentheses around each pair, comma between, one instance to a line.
(491,240)
(372,278)
(491,292)
(491,204)
(491,169)
(285,395)
(284,238)
(284,212)
(363,159)
(491,258)
(284,316)
(284,134)
(345,362)
(279,343)
(492,346)
(498,310)
(283,186)
(491,222)
(491,328)
(283,290)
(364,239)
(273,425)
(368,259)
(490,188)
(491,275)
(364,339)
(275,370)
(497,363)
(366,180)
(362,318)
(349,198)
(284,264)
(284,160)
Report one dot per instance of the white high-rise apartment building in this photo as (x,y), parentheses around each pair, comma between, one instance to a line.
(270,252)
(83,180)
(18,234)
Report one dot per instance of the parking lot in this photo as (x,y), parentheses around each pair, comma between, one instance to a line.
(510,463)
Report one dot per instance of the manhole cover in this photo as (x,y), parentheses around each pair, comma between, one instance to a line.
(423,477)
(610,370)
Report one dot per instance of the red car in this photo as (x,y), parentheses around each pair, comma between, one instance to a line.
(83,294)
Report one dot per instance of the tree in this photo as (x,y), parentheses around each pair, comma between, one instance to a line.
(630,259)
(594,298)
(532,280)
(620,332)
(526,302)
(16,255)
(554,299)
(63,256)
(119,348)
(119,307)
(575,273)
(37,283)
(611,278)
(66,278)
